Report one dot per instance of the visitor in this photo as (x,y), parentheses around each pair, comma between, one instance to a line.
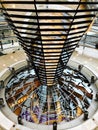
(54,125)
(1,84)
(92,80)
(85,115)
(20,120)
(80,67)
(12,42)
(96,97)
(1,103)
(1,45)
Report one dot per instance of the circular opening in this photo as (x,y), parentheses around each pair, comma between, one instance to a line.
(68,99)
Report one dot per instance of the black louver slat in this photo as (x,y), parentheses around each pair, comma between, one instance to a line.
(51,10)
(49,2)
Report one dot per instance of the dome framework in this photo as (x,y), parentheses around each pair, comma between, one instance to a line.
(49,31)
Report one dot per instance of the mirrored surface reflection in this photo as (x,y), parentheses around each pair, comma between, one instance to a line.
(65,101)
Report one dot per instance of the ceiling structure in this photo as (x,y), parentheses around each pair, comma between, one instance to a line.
(49,38)
(6,34)
(49,31)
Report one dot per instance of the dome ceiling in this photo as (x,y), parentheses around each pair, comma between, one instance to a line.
(49,31)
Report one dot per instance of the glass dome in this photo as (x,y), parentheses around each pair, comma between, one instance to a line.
(49,31)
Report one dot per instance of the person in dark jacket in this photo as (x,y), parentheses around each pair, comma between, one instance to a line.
(20,120)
